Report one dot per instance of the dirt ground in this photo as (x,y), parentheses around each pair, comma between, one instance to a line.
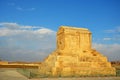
(83,78)
(12,74)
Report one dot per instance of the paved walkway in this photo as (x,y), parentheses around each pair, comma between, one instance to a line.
(12,74)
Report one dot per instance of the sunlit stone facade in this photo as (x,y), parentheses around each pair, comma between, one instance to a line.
(74,56)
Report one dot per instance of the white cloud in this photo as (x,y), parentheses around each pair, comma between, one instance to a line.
(31,9)
(106,39)
(9,25)
(112,51)
(25,9)
(4,32)
(109,31)
(44,31)
(19,8)
(20,41)
(115,30)
(113,34)
(14,29)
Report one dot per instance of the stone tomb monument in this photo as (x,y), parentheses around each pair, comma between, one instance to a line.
(75,57)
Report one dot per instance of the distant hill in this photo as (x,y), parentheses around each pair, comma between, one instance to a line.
(21,62)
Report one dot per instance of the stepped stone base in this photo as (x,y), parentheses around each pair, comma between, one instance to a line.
(82,65)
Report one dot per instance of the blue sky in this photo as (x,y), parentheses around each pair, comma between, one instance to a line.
(22,22)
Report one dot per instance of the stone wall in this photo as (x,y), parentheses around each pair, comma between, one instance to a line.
(73,38)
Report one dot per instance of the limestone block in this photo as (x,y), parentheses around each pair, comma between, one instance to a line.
(66,72)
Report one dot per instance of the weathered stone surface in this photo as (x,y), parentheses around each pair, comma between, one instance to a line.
(74,56)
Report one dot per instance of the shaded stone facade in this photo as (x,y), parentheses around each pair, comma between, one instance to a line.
(75,57)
